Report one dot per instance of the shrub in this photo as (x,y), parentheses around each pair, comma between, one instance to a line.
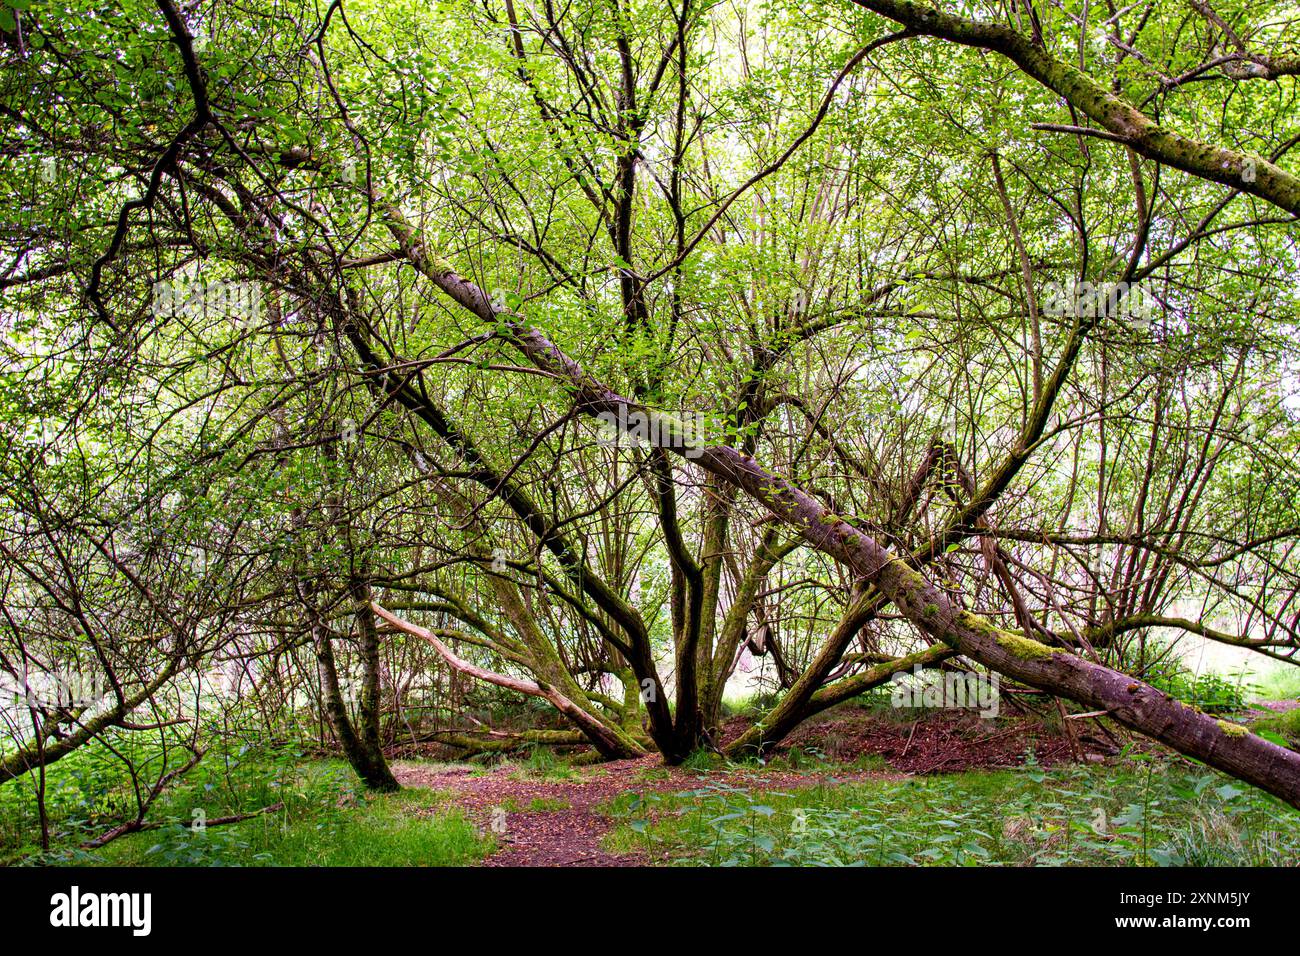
(1213,693)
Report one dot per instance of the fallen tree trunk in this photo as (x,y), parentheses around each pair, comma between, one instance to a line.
(140,826)
(498,742)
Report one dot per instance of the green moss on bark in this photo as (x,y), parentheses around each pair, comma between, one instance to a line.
(1024,647)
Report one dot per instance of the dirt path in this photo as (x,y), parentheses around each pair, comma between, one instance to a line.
(1263,708)
(541,822)
(554,823)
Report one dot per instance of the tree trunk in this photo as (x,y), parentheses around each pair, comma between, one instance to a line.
(1137,705)
(364,755)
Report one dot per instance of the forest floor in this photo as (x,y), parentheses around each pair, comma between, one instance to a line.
(858,785)
(560,815)
(559,822)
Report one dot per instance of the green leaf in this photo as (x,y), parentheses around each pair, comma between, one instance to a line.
(1228,792)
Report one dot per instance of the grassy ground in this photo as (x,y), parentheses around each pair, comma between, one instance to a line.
(1284,727)
(375,831)
(1144,811)
(326,818)
(1276,681)
(1142,808)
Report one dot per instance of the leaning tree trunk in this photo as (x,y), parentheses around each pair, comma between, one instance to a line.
(610,741)
(1133,703)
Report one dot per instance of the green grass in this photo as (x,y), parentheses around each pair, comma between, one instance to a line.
(325,818)
(811,759)
(542,763)
(1276,681)
(548,804)
(754,704)
(1141,812)
(376,830)
(1285,726)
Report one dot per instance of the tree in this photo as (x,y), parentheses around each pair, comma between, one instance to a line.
(608,345)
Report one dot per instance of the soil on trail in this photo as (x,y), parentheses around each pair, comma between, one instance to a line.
(950,742)
(567,833)
(541,822)
(556,822)
(1265,708)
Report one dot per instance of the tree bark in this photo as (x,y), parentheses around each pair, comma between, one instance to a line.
(1125,123)
(1131,702)
(368,761)
(608,741)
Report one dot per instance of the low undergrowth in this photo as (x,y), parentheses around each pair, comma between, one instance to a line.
(1143,810)
(322,816)
(1283,728)
(375,830)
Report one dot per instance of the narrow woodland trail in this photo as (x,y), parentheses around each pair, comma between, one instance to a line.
(556,822)
(565,829)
